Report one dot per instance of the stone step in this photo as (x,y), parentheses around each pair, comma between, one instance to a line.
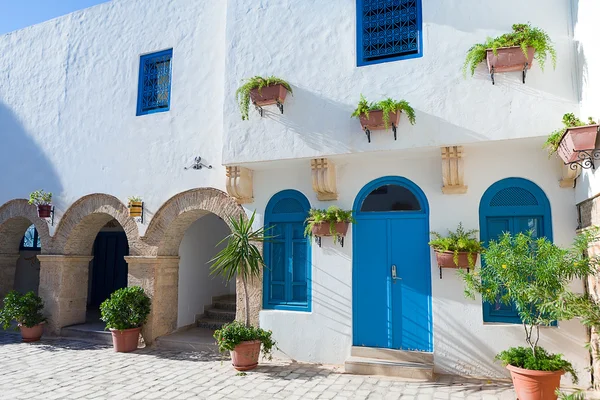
(85,334)
(218,314)
(225,304)
(375,366)
(210,323)
(392,355)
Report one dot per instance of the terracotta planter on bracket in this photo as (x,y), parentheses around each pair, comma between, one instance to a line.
(32,334)
(125,341)
(535,385)
(323,229)
(135,208)
(575,140)
(509,59)
(268,95)
(44,210)
(446,259)
(375,120)
(244,356)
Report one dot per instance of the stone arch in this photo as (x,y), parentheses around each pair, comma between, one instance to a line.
(15,217)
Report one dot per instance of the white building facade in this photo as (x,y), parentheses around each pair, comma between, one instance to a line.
(73,122)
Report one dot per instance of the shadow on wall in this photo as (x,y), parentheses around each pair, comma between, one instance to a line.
(26,167)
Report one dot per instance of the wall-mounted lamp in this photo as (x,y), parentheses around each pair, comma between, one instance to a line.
(198,164)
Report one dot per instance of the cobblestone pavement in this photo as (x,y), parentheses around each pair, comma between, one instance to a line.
(69,369)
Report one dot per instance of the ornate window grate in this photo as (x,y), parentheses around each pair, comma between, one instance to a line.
(513,197)
(154,92)
(388,30)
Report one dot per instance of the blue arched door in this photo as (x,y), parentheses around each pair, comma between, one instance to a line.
(391,277)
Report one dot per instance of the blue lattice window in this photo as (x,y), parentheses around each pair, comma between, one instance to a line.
(31,239)
(154,91)
(388,30)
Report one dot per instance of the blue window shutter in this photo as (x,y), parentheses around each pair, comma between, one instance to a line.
(388,30)
(154,86)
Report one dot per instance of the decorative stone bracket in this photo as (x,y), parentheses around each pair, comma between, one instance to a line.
(453,170)
(569,175)
(323,179)
(239,184)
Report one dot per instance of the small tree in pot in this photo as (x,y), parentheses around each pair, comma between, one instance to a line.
(242,257)
(43,201)
(124,312)
(26,310)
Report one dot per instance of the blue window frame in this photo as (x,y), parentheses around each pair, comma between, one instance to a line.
(31,240)
(154,86)
(287,276)
(512,205)
(388,30)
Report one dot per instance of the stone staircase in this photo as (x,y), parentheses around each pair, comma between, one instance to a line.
(412,365)
(221,312)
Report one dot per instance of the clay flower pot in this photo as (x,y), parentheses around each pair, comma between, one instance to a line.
(446,259)
(44,210)
(32,334)
(135,208)
(577,139)
(125,341)
(509,59)
(375,120)
(268,95)
(535,385)
(322,229)
(244,356)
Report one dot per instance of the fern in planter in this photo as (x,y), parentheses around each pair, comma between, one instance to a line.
(332,215)
(459,241)
(388,106)
(524,36)
(256,82)
(570,121)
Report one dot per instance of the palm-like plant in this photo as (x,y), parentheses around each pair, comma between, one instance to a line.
(241,256)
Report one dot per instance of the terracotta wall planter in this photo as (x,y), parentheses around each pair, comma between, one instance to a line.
(375,120)
(268,95)
(509,59)
(446,259)
(32,334)
(125,341)
(44,210)
(577,139)
(135,208)
(245,355)
(323,229)
(535,385)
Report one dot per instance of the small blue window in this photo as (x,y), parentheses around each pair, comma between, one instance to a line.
(287,279)
(388,30)
(31,240)
(154,88)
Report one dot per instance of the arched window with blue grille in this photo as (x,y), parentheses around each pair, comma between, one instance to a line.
(388,30)
(287,277)
(31,240)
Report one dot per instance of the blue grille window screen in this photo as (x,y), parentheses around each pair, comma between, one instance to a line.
(31,239)
(154,90)
(388,30)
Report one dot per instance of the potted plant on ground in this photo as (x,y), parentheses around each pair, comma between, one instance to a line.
(262,92)
(332,221)
(576,136)
(241,257)
(531,274)
(135,206)
(124,312)
(382,114)
(26,310)
(513,51)
(43,201)
(459,249)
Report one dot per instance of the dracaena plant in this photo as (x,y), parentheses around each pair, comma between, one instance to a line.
(459,241)
(256,82)
(40,198)
(388,106)
(330,216)
(524,36)
(569,121)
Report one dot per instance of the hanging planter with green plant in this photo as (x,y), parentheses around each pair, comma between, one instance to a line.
(459,249)
(513,51)
(576,137)
(136,206)
(43,201)
(382,114)
(261,92)
(332,221)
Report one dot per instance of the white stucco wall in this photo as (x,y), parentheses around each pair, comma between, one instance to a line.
(196,286)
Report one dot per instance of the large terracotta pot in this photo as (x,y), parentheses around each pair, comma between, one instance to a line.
(323,229)
(535,385)
(32,334)
(509,59)
(268,95)
(244,356)
(125,341)
(135,208)
(44,210)
(577,139)
(375,120)
(446,259)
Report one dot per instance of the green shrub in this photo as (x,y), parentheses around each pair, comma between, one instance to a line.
(256,82)
(40,198)
(388,106)
(230,335)
(25,309)
(126,308)
(524,36)
(459,241)
(331,216)
(570,121)
(524,357)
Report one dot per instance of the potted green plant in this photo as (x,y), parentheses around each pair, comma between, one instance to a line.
(43,201)
(382,114)
(241,257)
(332,221)
(513,51)
(135,206)
(459,249)
(573,138)
(26,310)
(124,312)
(262,92)
(531,274)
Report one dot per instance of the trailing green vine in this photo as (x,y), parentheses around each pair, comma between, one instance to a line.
(388,106)
(256,82)
(570,121)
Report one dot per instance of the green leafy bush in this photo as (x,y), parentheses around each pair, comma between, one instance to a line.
(388,106)
(524,357)
(459,241)
(230,335)
(524,36)
(25,309)
(126,308)
(256,82)
(331,216)
(133,199)
(40,198)
(570,121)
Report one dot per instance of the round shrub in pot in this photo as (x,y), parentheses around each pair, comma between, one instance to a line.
(26,310)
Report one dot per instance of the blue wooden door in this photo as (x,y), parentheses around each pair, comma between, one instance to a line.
(392,275)
(109,268)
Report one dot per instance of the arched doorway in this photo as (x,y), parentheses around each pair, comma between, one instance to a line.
(27,273)
(391,279)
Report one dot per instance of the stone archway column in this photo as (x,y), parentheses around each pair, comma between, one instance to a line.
(64,289)
(8,268)
(159,277)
